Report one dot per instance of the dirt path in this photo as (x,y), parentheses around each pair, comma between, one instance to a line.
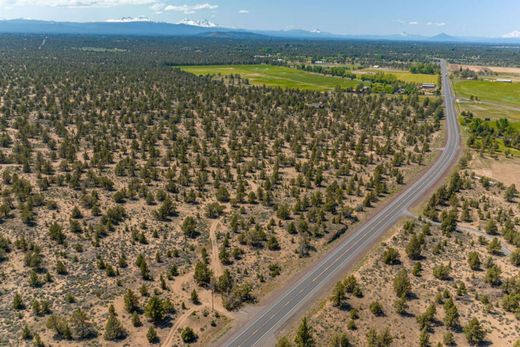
(43,43)
(216,265)
(168,341)
(184,284)
(475,231)
(469,229)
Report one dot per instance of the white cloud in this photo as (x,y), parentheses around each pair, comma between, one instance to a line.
(416,22)
(512,35)
(156,5)
(437,24)
(243,11)
(76,3)
(157,8)
(129,19)
(189,9)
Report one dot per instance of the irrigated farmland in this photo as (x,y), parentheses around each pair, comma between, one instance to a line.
(275,76)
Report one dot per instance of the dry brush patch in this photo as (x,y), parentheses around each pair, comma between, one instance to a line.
(114,174)
(428,282)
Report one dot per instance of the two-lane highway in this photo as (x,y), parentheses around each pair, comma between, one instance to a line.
(301,294)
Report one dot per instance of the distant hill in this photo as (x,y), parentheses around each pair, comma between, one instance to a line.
(443,37)
(234,35)
(142,26)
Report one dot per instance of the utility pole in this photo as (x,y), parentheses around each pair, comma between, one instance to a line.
(212,304)
(212,288)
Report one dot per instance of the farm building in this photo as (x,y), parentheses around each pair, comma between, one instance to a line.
(428,86)
(504,80)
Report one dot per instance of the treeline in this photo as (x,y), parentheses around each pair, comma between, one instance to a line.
(388,83)
(379,82)
(425,68)
(466,73)
(486,136)
(191,51)
(340,71)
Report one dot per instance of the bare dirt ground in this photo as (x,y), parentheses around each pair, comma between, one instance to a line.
(477,68)
(506,170)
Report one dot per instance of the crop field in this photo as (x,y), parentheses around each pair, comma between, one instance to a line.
(496,92)
(275,76)
(406,76)
(492,111)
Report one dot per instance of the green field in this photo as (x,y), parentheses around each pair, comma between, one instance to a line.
(407,76)
(491,111)
(497,100)
(503,93)
(275,76)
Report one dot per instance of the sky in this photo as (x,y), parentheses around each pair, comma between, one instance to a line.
(477,18)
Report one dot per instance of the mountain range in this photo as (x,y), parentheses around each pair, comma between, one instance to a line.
(142,26)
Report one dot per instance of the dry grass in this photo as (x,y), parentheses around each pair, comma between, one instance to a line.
(375,279)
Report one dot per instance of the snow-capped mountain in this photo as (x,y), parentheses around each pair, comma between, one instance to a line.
(204,23)
(129,20)
(143,26)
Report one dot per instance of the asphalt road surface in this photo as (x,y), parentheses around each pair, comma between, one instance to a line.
(260,329)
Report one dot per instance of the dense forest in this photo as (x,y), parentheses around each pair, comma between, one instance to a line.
(196,51)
